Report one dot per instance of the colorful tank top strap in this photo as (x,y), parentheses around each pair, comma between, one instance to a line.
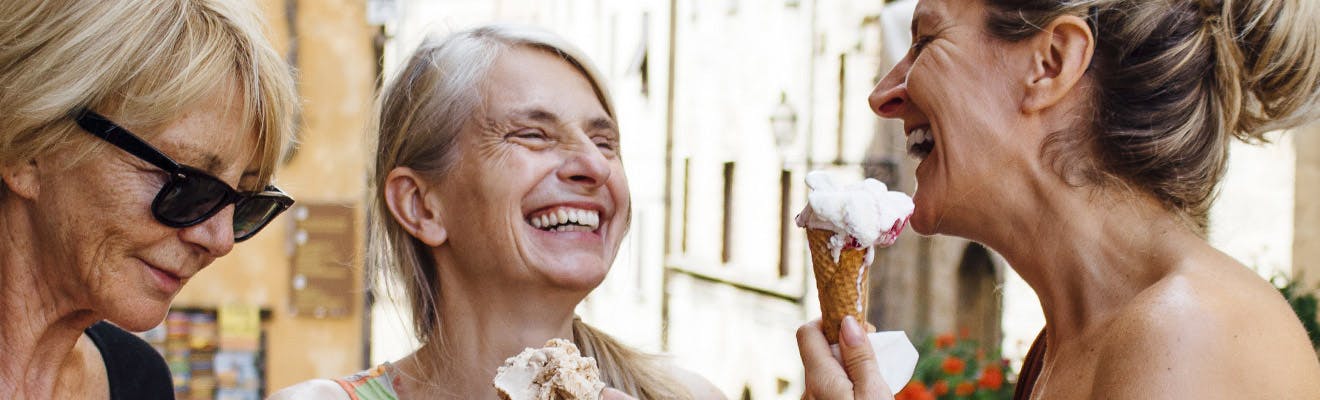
(372,384)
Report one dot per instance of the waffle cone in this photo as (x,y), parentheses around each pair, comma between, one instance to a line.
(836,282)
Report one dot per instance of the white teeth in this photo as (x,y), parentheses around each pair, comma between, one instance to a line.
(918,137)
(565,219)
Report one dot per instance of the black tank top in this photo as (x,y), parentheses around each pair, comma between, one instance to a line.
(135,370)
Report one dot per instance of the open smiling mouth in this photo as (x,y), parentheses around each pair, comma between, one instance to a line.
(565,219)
(920,142)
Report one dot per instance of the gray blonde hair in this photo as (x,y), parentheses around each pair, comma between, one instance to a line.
(1175,81)
(422,112)
(140,61)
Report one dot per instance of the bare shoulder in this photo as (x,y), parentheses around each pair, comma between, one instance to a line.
(1219,331)
(697,385)
(315,389)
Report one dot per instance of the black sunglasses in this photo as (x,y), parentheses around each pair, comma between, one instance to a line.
(192,195)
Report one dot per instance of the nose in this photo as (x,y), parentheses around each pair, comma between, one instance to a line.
(215,235)
(890,97)
(585,167)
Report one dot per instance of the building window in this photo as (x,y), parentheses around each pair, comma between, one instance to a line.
(726,249)
(641,59)
(785,218)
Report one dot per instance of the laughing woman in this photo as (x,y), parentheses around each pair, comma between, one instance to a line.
(499,203)
(137,141)
(1084,140)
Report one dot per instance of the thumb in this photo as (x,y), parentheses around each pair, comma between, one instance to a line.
(860,363)
(613,394)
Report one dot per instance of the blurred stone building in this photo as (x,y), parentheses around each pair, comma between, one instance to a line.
(724,106)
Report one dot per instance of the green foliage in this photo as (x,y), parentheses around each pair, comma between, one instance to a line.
(1304,303)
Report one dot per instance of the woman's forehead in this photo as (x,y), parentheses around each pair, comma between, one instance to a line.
(534,84)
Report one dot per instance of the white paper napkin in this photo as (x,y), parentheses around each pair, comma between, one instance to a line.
(896,355)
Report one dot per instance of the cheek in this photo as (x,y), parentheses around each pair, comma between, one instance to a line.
(619,191)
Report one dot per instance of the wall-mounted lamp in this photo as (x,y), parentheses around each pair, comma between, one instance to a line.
(783,124)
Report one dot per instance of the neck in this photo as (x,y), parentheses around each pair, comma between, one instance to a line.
(482,324)
(39,323)
(1090,250)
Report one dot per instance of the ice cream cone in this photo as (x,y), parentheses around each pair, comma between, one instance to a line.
(841,285)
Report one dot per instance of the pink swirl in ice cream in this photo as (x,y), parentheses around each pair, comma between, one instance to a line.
(862,214)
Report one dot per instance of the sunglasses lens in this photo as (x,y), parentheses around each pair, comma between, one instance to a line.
(252,214)
(187,201)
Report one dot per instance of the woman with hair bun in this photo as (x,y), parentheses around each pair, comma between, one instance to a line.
(1084,140)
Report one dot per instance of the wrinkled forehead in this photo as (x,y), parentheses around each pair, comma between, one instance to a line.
(217,137)
(533,83)
(932,14)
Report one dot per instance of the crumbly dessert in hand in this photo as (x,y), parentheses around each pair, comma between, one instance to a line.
(554,372)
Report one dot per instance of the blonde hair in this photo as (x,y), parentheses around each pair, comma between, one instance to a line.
(422,112)
(140,61)
(1176,80)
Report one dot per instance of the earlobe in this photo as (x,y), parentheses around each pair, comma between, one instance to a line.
(407,195)
(1061,55)
(21,179)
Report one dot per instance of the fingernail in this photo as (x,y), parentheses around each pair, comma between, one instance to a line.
(852,332)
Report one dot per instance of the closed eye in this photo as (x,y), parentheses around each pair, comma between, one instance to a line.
(920,44)
(606,143)
(531,134)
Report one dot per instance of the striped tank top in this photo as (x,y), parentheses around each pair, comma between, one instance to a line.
(373,384)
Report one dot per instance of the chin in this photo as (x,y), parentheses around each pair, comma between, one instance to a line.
(924,216)
(577,275)
(138,314)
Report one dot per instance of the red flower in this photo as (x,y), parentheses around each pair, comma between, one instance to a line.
(992,378)
(954,365)
(944,341)
(964,389)
(941,388)
(914,391)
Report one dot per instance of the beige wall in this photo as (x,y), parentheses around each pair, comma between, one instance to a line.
(336,71)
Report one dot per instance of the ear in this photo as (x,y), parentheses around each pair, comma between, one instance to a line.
(409,199)
(1061,55)
(21,179)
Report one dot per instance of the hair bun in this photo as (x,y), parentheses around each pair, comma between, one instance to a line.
(1269,63)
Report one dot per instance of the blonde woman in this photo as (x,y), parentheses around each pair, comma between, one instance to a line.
(137,141)
(499,202)
(1083,140)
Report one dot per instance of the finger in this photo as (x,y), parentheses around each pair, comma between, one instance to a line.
(612,394)
(825,377)
(860,363)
